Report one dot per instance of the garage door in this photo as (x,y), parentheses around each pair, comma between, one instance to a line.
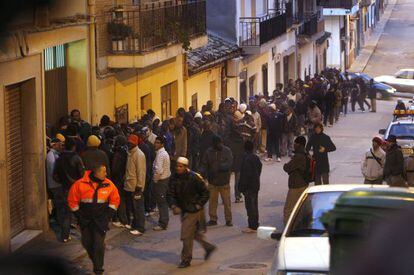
(13,112)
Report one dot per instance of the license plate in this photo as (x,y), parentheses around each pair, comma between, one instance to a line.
(407,151)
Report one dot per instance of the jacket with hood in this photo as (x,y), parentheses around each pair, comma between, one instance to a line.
(216,165)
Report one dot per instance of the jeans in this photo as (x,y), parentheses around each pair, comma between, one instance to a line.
(149,201)
(321,178)
(93,240)
(224,192)
(273,146)
(328,115)
(252,208)
(287,144)
(160,189)
(237,193)
(63,213)
(135,207)
(121,214)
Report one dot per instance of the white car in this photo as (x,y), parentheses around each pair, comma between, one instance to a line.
(304,244)
(403,80)
(403,129)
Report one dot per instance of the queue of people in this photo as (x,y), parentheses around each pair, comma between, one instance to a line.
(149,160)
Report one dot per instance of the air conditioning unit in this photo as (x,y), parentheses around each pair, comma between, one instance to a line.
(233,67)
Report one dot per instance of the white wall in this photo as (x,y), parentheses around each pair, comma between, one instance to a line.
(333,25)
(307,54)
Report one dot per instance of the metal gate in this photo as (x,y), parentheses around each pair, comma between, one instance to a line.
(14,147)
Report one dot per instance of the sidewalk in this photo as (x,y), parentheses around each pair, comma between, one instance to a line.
(363,58)
(48,245)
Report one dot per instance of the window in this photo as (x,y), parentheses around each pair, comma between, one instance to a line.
(55,57)
(166,109)
(194,101)
(402,131)
(306,222)
(265,79)
(404,75)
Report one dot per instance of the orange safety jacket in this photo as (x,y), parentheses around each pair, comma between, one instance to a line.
(93,201)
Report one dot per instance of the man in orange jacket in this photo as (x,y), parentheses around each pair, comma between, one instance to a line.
(94,199)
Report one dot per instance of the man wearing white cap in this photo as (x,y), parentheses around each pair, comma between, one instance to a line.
(187,196)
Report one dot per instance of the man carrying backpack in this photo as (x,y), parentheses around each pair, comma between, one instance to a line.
(297,169)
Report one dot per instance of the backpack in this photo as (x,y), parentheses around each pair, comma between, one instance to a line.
(309,175)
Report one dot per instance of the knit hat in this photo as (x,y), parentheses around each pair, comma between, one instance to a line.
(133,139)
(198,115)
(238,115)
(378,140)
(273,106)
(60,137)
(93,141)
(249,112)
(392,138)
(183,161)
(207,113)
(242,107)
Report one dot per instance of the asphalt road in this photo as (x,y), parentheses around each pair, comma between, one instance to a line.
(159,252)
(395,48)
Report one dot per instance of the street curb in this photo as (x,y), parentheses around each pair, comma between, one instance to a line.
(364,57)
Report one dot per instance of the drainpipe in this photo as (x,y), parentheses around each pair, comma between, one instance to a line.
(92,59)
(296,53)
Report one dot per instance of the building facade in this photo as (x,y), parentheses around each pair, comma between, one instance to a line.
(44,72)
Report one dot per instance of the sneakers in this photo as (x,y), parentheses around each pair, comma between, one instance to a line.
(278,160)
(67,240)
(136,233)
(184,264)
(211,223)
(118,224)
(238,200)
(127,226)
(159,228)
(248,230)
(229,224)
(268,159)
(209,252)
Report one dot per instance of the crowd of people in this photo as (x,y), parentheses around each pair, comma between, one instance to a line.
(149,161)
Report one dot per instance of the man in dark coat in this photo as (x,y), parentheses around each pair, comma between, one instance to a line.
(296,168)
(93,156)
(251,169)
(394,164)
(187,195)
(274,133)
(372,95)
(68,169)
(321,144)
(216,168)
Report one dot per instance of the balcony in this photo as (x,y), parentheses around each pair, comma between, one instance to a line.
(256,32)
(142,35)
(339,7)
(313,26)
(338,4)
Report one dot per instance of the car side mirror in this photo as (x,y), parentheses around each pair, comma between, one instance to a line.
(276,236)
(266,232)
(382,131)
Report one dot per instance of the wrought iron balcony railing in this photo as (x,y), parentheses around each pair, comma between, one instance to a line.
(256,31)
(146,27)
(337,4)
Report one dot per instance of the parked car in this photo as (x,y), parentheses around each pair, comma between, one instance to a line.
(403,80)
(403,129)
(304,244)
(384,91)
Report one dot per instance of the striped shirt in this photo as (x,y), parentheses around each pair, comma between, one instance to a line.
(162,169)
